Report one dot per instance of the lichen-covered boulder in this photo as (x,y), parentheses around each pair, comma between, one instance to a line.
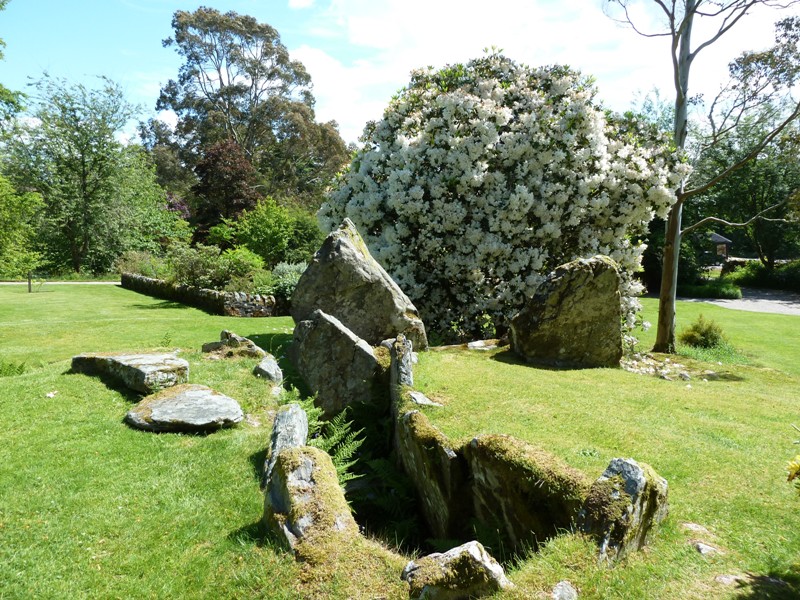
(185,408)
(525,494)
(290,430)
(269,369)
(574,318)
(623,507)
(467,571)
(231,345)
(345,281)
(438,472)
(304,503)
(145,373)
(338,366)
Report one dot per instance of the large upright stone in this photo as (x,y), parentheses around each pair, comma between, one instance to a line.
(524,494)
(574,319)
(624,506)
(145,373)
(338,366)
(345,281)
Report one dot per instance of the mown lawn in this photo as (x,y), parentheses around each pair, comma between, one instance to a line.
(92,509)
(721,444)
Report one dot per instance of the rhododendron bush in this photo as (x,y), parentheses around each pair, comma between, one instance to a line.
(481,178)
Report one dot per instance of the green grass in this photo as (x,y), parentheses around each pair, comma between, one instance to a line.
(90,508)
(722,445)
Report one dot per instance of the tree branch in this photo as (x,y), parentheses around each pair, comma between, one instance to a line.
(707,220)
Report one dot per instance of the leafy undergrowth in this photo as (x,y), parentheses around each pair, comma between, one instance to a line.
(722,444)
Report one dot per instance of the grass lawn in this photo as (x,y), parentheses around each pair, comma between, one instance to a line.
(90,508)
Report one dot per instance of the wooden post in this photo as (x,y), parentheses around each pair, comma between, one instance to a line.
(29,282)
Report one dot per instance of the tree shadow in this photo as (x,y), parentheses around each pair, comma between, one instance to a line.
(274,343)
(169,304)
(772,586)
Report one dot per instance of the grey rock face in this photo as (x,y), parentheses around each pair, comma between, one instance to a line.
(304,502)
(338,366)
(624,507)
(290,430)
(345,281)
(438,472)
(230,345)
(564,590)
(574,318)
(525,494)
(269,369)
(467,571)
(145,373)
(185,408)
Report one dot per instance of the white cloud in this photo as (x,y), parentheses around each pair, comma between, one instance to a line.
(395,36)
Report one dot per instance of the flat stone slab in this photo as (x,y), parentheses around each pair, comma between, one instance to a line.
(145,373)
(185,408)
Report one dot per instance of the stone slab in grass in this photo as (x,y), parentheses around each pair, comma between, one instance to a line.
(145,373)
(185,408)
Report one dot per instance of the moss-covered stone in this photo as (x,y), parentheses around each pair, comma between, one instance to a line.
(624,507)
(574,319)
(467,571)
(523,493)
(438,472)
(304,502)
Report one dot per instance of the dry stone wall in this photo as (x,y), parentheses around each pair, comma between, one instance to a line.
(232,304)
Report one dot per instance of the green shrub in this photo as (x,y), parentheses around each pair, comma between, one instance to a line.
(240,262)
(755,274)
(141,263)
(702,334)
(716,288)
(280,283)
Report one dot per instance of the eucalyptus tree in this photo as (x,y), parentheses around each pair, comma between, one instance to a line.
(757,79)
(238,83)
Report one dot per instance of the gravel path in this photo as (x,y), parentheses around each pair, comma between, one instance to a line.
(766,301)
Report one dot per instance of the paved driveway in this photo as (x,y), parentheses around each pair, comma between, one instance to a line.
(766,301)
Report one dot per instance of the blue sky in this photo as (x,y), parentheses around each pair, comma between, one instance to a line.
(358,52)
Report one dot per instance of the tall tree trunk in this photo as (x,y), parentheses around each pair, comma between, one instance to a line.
(665,333)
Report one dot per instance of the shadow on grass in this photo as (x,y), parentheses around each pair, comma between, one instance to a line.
(274,343)
(162,304)
(509,357)
(773,586)
(257,460)
(111,383)
(254,534)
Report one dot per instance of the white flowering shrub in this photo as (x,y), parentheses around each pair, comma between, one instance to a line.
(481,178)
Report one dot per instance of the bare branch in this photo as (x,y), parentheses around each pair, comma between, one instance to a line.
(751,155)
(756,217)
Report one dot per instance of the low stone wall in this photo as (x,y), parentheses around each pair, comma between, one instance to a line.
(233,304)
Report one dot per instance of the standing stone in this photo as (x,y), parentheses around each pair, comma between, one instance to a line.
(574,319)
(187,408)
(525,494)
(304,502)
(290,430)
(345,281)
(624,507)
(467,571)
(338,366)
